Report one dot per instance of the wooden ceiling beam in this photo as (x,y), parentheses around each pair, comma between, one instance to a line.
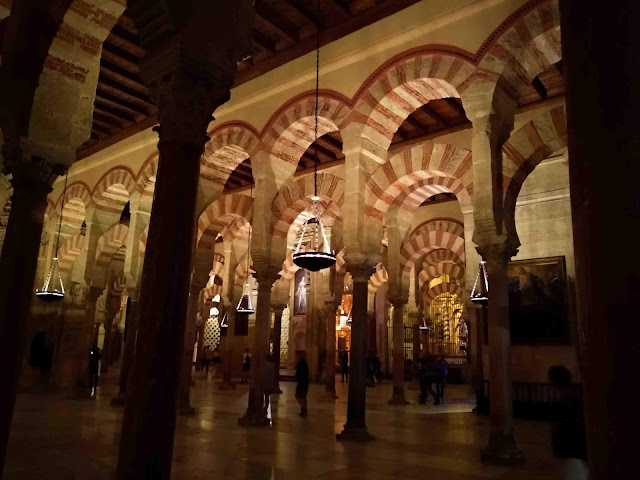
(108,120)
(117,103)
(125,44)
(344,5)
(455,105)
(133,94)
(435,116)
(107,71)
(116,114)
(334,142)
(415,123)
(115,59)
(324,151)
(241,176)
(126,96)
(263,41)
(539,88)
(271,17)
(304,11)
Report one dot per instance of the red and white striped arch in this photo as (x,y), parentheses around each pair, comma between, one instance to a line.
(450,225)
(109,244)
(289,268)
(441,288)
(424,241)
(146,179)
(118,285)
(113,190)
(241,269)
(295,197)
(526,148)
(218,263)
(443,268)
(222,214)
(443,255)
(76,201)
(411,177)
(400,88)
(143,242)
(211,291)
(292,129)
(379,278)
(228,147)
(69,251)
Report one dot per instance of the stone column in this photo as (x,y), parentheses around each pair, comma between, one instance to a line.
(129,348)
(184,405)
(255,414)
(356,429)
(398,301)
(331,307)
(185,108)
(502,448)
(600,51)
(277,337)
(227,350)
(107,346)
(32,180)
(200,345)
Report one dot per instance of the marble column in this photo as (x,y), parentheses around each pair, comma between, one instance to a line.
(129,348)
(331,307)
(277,338)
(356,429)
(107,345)
(502,448)
(600,47)
(32,180)
(398,302)
(184,403)
(185,109)
(255,414)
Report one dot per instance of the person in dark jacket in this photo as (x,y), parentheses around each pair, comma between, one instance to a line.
(344,364)
(568,434)
(302,382)
(94,368)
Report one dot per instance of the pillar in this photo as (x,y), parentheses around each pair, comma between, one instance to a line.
(227,350)
(184,404)
(356,429)
(32,180)
(107,346)
(129,348)
(331,307)
(185,109)
(255,414)
(277,338)
(600,55)
(502,448)
(398,301)
(200,345)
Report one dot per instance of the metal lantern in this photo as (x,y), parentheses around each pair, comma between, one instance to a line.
(480,292)
(319,256)
(53,287)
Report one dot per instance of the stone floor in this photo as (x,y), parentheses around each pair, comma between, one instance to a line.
(54,437)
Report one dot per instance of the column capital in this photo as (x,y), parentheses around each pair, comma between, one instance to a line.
(278,308)
(267,276)
(30,166)
(360,269)
(499,251)
(398,300)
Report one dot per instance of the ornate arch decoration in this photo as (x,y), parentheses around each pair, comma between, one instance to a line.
(119,285)
(241,271)
(218,263)
(211,291)
(526,148)
(76,202)
(109,243)
(289,268)
(220,215)
(295,197)
(230,144)
(410,177)
(69,251)
(443,224)
(379,278)
(291,129)
(113,190)
(441,288)
(443,255)
(146,178)
(444,268)
(423,241)
(143,242)
(341,262)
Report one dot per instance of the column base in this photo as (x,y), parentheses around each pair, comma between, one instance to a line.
(119,400)
(398,397)
(502,450)
(186,410)
(252,419)
(355,434)
(227,386)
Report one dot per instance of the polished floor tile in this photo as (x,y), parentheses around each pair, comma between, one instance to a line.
(56,438)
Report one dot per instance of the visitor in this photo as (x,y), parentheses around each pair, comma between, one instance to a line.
(568,434)
(377,368)
(216,355)
(268,380)
(206,359)
(246,366)
(371,360)
(94,369)
(302,382)
(428,373)
(442,377)
(344,364)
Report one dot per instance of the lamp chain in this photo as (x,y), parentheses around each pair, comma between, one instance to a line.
(315,137)
(64,196)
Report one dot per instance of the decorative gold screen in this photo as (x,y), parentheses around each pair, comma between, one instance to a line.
(448,330)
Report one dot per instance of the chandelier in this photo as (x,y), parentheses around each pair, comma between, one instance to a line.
(319,255)
(245,305)
(53,288)
(480,291)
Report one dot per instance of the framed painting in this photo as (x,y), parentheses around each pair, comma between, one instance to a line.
(538,301)
(300,293)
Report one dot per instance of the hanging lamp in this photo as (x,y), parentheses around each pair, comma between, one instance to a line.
(480,291)
(53,288)
(245,305)
(319,256)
